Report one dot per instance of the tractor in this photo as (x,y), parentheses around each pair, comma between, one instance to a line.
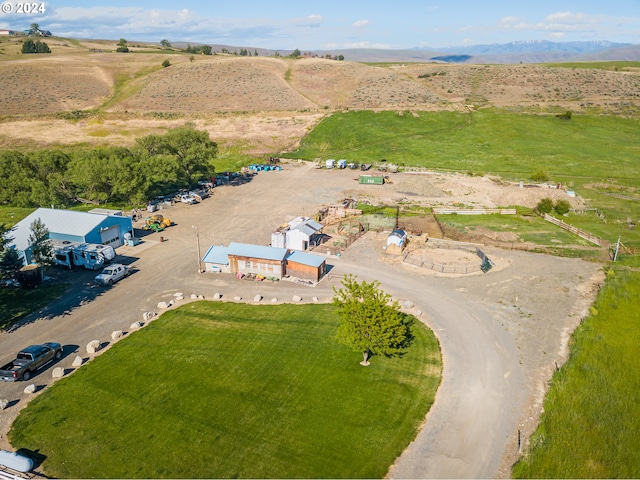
(157,223)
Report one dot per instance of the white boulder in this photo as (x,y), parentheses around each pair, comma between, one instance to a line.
(116,334)
(57,372)
(93,346)
(78,361)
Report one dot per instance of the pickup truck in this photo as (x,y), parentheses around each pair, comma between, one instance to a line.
(29,360)
(112,274)
(188,199)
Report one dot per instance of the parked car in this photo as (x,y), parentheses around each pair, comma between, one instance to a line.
(188,199)
(29,360)
(112,274)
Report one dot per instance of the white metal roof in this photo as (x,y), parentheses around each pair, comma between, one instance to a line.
(257,251)
(67,222)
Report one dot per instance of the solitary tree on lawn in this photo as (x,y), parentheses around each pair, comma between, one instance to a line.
(369,321)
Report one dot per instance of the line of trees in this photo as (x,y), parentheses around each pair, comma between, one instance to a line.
(156,165)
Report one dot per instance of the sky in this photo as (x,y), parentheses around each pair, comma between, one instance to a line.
(331,24)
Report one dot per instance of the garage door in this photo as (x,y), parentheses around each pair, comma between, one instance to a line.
(111,236)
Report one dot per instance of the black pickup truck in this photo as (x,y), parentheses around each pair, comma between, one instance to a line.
(29,360)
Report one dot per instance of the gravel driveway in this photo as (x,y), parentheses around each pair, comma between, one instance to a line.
(501,333)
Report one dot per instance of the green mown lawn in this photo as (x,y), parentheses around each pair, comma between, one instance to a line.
(215,390)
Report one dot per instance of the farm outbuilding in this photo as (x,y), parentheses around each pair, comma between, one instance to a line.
(216,259)
(297,234)
(257,259)
(72,226)
(306,266)
(262,260)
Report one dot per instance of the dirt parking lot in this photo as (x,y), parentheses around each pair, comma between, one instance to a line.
(501,333)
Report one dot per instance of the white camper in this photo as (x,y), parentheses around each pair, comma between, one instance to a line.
(87,255)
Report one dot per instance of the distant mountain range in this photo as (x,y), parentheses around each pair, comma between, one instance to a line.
(533,46)
(539,51)
(536,51)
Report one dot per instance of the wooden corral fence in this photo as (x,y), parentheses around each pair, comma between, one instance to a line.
(576,231)
(414,257)
(474,211)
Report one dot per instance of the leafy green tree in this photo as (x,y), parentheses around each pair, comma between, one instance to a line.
(369,321)
(10,263)
(205,49)
(34,29)
(540,176)
(41,247)
(255,52)
(295,53)
(192,151)
(29,46)
(4,236)
(122,46)
(165,43)
(340,58)
(42,47)
(15,179)
(544,206)
(562,206)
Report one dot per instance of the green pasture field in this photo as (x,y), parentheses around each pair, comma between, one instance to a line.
(225,390)
(531,229)
(593,155)
(591,419)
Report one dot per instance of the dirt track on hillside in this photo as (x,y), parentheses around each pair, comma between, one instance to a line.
(501,333)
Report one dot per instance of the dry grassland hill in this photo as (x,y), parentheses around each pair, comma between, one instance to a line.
(75,77)
(131,87)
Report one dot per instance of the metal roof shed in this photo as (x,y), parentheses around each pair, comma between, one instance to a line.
(306,266)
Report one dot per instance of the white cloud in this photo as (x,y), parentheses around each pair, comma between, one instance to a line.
(566,17)
(507,22)
(367,45)
(360,23)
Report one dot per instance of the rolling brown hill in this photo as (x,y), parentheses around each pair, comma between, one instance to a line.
(266,102)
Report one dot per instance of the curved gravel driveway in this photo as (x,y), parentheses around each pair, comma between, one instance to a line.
(500,333)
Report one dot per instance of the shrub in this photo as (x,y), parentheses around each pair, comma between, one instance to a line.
(564,116)
(544,206)
(166,63)
(540,176)
(562,207)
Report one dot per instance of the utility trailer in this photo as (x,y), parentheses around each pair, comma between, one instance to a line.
(86,255)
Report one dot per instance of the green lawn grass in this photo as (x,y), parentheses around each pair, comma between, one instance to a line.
(215,390)
(16,303)
(591,419)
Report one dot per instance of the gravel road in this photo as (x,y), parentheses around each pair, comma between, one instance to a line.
(501,333)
